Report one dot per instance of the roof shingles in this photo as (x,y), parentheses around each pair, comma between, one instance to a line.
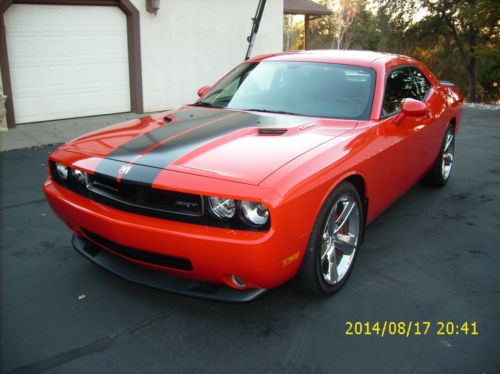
(305,7)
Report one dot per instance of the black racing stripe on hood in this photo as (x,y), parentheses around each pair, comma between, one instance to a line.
(162,156)
(184,121)
(170,151)
(189,134)
(108,167)
(142,175)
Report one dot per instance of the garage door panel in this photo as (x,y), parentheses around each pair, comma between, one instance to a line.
(86,100)
(18,19)
(89,16)
(30,106)
(92,45)
(67,61)
(115,73)
(59,105)
(113,45)
(89,75)
(54,47)
(25,77)
(58,78)
(49,17)
(22,46)
(36,79)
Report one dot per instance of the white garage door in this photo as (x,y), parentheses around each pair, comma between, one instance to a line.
(67,61)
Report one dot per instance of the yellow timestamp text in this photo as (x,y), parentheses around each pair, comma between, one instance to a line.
(410,328)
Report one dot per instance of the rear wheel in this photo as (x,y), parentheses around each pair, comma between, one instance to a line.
(440,172)
(334,242)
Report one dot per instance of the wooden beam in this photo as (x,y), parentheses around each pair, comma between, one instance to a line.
(306,32)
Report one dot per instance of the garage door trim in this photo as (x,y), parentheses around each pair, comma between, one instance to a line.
(133,41)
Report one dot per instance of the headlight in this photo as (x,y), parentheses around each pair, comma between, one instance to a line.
(221,207)
(79,175)
(255,213)
(62,171)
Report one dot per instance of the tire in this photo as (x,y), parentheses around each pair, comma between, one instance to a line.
(316,274)
(440,172)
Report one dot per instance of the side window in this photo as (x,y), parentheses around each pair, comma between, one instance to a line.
(403,83)
(420,83)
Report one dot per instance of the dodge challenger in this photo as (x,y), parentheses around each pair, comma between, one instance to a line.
(271,175)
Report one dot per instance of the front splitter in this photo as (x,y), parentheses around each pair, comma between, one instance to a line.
(159,279)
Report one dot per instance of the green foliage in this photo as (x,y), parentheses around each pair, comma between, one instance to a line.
(293,33)
(366,33)
(457,39)
(489,75)
(337,29)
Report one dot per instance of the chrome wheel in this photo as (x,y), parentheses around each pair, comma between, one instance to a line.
(340,239)
(448,152)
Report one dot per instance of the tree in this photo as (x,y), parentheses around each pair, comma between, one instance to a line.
(457,39)
(365,31)
(292,33)
(336,30)
(471,26)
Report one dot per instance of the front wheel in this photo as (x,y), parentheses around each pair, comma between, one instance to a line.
(334,242)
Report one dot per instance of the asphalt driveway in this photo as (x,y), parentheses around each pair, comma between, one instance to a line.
(433,256)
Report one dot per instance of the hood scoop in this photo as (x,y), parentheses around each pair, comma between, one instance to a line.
(272,131)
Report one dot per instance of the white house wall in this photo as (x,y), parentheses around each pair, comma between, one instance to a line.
(191,43)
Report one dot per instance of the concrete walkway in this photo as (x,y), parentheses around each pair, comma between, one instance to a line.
(53,132)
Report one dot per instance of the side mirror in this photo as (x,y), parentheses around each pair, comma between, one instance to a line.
(414,108)
(203,91)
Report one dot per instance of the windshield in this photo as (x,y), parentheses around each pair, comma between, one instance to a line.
(301,88)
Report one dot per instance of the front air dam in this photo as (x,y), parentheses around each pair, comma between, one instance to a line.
(159,279)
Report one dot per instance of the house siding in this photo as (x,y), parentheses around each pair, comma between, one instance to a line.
(192,43)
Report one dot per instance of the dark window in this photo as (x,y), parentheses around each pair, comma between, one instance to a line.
(403,83)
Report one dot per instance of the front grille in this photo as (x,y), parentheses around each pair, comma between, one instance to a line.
(146,197)
(139,254)
(140,198)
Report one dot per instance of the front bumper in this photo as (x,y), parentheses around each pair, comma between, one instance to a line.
(262,259)
(159,279)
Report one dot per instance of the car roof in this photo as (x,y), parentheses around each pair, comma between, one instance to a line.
(349,57)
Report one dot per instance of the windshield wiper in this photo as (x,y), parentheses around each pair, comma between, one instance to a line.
(273,111)
(207,104)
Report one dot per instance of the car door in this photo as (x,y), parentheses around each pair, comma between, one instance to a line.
(429,138)
(406,155)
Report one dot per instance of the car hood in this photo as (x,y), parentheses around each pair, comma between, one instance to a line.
(235,145)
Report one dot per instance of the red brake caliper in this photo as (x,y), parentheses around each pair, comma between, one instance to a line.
(337,215)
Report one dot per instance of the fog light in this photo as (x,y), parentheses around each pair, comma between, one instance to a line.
(79,175)
(238,281)
(62,171)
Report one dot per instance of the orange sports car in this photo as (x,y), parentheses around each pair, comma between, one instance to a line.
(272,174)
